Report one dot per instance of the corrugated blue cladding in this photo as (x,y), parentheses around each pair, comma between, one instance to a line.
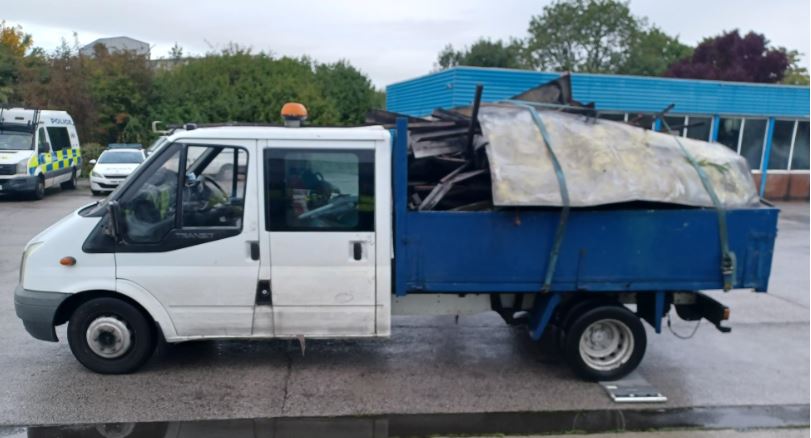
(456,87)
(421,95)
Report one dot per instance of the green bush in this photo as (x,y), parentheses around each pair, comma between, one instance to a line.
(90,151)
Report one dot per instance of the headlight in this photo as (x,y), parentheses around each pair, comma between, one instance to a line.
(28,251)
(22,166)
(96,174)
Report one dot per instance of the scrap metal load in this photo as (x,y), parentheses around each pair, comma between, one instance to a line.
(533,150)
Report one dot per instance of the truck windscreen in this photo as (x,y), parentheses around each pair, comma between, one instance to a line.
(11,139)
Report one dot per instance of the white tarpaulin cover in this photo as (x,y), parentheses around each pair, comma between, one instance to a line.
(604,162)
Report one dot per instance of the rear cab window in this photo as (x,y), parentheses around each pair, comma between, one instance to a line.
(320,190)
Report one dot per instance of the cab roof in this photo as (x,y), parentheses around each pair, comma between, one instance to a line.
(369,133)
(26,115)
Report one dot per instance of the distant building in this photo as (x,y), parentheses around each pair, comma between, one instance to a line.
(117,44)
(164,64)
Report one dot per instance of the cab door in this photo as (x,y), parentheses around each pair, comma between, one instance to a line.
(320,217)
(189,226)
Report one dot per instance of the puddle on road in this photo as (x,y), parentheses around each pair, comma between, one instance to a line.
(508,423)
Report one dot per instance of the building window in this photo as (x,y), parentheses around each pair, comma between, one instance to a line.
(729,132)
(699,128)
(754,134)
(676,124)
(781,144)
(799,153)
(618,117)
(641,120)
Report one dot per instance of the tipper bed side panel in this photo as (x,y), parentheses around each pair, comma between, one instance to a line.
(603,250)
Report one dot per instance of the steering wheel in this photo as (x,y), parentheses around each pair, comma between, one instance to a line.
(200,191)
(208,179)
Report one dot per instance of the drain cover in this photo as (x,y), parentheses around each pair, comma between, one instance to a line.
(633,389)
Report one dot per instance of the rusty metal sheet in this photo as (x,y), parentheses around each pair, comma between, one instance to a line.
(604,162)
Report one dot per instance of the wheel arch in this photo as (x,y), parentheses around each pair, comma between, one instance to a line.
(67,307)
(580,303)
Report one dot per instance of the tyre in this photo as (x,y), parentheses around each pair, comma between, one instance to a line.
(605,343)
(105,430)
(566,319)
(39,190)
(111,336)
(96,193)
(71,183)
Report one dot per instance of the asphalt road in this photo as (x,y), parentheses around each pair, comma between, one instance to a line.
(430,365)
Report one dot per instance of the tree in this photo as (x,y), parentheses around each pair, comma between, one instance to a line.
(582,35)
(120,84)
(238,86)
(483,53)
(176,52)
(350,91)
(14,44)
(730,57)
(60,81)
(795,75)
(652,52)
(13,39)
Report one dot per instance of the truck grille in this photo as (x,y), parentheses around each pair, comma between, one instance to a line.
(8,169)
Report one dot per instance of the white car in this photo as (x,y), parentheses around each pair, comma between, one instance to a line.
(113,167)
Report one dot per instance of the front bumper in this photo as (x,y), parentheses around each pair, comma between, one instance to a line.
(18,184)
(101,184)
(37,309)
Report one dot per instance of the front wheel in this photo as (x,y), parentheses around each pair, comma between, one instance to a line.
(111,336)
(39,190)
(605,343)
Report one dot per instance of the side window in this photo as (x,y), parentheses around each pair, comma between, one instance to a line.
(320,190)
(42,142)
(59,138)
(149,212)
(214,186)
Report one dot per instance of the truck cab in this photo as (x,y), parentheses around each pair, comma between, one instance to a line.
(38,149)
(265,232)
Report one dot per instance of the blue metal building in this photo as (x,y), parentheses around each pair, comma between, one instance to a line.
(768,124)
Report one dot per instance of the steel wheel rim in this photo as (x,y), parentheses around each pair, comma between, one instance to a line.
(108,337)
(607,344)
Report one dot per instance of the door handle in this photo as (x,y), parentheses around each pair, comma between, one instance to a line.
(357,250)
(254,249)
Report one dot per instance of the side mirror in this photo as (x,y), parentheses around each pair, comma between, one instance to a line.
(92,161)
(112,210)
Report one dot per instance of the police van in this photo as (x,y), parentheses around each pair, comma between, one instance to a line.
(38,149)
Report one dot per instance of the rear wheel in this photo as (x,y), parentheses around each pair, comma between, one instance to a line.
(111,336)
(605,343)
(72,182)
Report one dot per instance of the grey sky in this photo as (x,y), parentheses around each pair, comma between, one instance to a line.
(390,41)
